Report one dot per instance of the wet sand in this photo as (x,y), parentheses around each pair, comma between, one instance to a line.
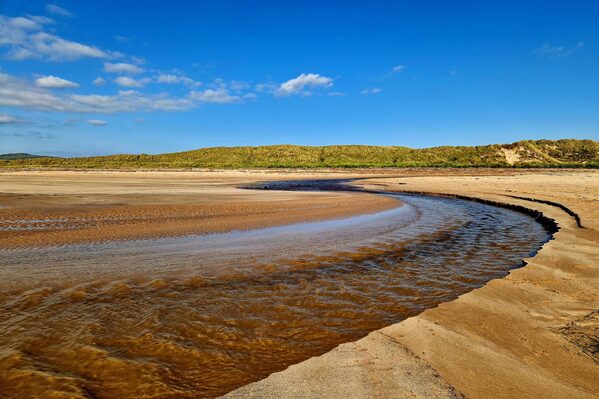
(531,334)
(526,335)
(59,208)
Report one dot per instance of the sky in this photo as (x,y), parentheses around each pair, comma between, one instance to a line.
(104,77)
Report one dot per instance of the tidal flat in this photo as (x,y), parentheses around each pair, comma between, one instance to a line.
(181,284)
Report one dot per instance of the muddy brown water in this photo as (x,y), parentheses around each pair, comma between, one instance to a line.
(198,316)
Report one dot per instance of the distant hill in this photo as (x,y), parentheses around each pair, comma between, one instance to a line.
(527,153)
(20,155)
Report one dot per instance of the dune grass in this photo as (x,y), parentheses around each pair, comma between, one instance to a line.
(540,153)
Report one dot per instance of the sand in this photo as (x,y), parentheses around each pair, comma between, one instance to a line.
(531,334)
(58,208)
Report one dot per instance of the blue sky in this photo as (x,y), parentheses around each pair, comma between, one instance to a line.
(97,77)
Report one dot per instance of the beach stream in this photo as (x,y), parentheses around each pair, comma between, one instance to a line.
(199,316)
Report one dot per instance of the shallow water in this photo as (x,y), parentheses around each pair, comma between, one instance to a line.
(199,316)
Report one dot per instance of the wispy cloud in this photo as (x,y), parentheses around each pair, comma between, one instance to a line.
(374,90)
(26,38)
(219,96)
(125,81)
(54,82)
(337,94)
(301,83)
(122,67)
(398,68)
(99,81)
(265,87)
(19,93)
(97,122)
(57,10)
(34,37)
(547,50)
(167,78)
(6,119)
(127,101)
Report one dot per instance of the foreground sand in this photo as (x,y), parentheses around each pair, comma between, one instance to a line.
(532,334)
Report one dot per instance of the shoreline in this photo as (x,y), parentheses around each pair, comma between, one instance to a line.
(465,347)
(526,335)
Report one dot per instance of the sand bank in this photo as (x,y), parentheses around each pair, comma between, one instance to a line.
(57,208)
(531,334)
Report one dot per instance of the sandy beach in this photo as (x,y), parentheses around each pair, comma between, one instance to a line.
(58,208)
(530,334)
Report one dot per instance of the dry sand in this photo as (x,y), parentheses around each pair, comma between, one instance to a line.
(534,333)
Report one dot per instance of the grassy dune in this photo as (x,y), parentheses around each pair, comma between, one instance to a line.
(528,153)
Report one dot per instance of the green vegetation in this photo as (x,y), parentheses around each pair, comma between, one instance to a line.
(529,153)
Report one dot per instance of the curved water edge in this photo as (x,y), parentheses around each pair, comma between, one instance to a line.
(345,185)
(202,315)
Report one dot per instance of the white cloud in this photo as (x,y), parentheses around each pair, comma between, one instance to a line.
(97,122)
(99,81)
(122,67)
(6,119)
(336,94)
(24,23)
(374,90)
(137,60)
(398,68)
(18,93)
(57,10)
(262,87)
(250,96)
(25,38)
(168,79)
(219,96)
(237,85)
(130,101)
(176,79)
(550,51)
(42,20)
(126,81)
(22,94)
(305,80)
(53,82)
